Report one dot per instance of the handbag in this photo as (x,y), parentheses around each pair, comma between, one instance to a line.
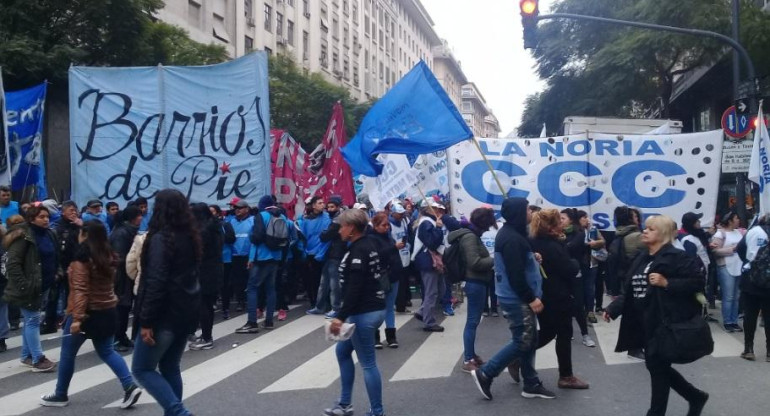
(681,342)
(438,262)
(100,324)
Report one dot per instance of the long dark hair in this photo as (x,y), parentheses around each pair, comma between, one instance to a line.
(171,213)
(96,248)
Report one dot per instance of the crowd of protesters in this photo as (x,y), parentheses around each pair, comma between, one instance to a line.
(175,268)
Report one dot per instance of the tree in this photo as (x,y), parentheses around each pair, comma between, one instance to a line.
(41,39)
(608,70)
(302,103)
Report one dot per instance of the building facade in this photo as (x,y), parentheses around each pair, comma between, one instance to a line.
(449,72)
(476,113)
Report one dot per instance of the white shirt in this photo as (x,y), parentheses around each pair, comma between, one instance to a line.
(756,238)
(488,238)
(733,261)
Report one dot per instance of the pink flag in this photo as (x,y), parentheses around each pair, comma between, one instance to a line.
(289,168)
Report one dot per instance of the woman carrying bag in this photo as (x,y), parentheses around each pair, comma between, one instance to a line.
(658,299)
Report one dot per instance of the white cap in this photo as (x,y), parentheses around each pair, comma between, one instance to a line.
(359,205)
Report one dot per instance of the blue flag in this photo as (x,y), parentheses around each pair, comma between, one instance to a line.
(415,117)
(24,111)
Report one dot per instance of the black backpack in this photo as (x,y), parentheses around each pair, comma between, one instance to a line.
(617,265)
(454,262)
(759,274)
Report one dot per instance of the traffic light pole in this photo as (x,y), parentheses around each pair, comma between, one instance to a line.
(738,49)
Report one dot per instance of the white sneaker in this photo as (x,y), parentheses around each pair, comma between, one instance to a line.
(588,342)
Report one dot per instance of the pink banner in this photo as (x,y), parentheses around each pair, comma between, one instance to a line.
(328,173)
(288,163)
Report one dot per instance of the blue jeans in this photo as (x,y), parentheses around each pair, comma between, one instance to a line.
(390,306)
(262,274)
(362,342)
(165,386)
(475,298)
(589,288)
(5,328)
(69,350)
(729,285)
(446,299)
(522,346)
(30,336)
(329,290)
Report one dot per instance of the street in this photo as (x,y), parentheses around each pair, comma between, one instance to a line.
(292,370)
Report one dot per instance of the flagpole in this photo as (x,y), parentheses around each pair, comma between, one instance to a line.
(489,166)
(425,199)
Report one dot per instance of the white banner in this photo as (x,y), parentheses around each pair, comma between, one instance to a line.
(399,179)
(659,174)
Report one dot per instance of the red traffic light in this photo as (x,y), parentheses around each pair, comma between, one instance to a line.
(755,122)
(528,7)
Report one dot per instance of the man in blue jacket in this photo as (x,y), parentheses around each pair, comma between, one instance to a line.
(519,288)
(242,223)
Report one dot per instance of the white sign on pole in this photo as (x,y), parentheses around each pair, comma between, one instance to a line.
(736,156)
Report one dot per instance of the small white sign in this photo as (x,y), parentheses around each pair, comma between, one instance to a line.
(736,156)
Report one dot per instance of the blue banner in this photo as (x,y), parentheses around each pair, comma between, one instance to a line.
(201,130)
(24,116)
(415,117)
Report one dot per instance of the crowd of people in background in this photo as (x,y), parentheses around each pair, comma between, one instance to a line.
(155,281)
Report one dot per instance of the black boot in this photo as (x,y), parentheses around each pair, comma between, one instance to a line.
(390,337)
(748,353)
(377,343)
(697,404)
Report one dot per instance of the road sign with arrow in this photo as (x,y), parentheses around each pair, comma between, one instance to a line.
(735,123)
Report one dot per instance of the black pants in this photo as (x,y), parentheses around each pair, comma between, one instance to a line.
(601,274)
(578,307)
(752,305)
(207,315)
(558,324)
(239,275)
(404,293)
(312,279)
(664,378)
(226,293)
(52,304)
(123,312)
(14,315)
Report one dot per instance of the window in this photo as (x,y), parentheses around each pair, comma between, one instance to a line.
(335,61)
(346,68)
(382,70)
(290,2)
(268,51)
(306,7)
(355,75)
(220,32)
(305,45)
(268,18)
(467,106)
(248,44)
(345,33)
(366,58)
(345,6)
(366,24)
(356,48)
(278,24)
(194,13)
(335,28)
(248,9)
(354,11)
(324,19)
(290,32)
(324,55)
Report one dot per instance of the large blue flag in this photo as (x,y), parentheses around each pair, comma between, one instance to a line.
(24,115)
(415,117)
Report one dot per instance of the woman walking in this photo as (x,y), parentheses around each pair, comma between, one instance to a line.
(91,314)
(168,301)
(662,278)
(363,304)
(121,240)
(725,245)
(211,271)
(390,262)
(30,270)
(581,252)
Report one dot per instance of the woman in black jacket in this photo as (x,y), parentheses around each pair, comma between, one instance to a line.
(390,261)
(168,299)
(661,278)
(211,271)
(560,271)
(581,252)
(121,240)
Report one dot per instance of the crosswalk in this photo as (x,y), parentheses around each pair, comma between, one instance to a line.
(433,355)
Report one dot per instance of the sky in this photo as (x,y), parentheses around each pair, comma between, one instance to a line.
(486,37)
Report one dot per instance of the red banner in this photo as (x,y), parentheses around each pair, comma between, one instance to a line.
(288,163)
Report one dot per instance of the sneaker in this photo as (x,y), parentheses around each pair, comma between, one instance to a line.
(495,314)
(483,383)
(27,362)
(478,360)
(736,328)
(239,307)
(330,315)
(268,325)
(599,310)
(748,355)
(470,366)
(573,383)
(371,413)
(514,369)
(392,343)
(433,328)
(131,396)
(3,346)
(202,344)
(339,410)
(537,391)
(404,311)
(14,326)
(43,366)
(249,328)
(588,342)
(118,347)
(728,328)
(45,330)
(449,311)
(696,406)
(636,355)
(592,318)
(378,345)
(192,338)
(485,314)
(282,315)
(54,400)
(314,311)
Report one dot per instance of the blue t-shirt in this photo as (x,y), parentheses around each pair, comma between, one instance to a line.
(9,211)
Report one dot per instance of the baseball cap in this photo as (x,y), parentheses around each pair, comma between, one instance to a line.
(234,201)
(94,203)
(240,204)
(397,208)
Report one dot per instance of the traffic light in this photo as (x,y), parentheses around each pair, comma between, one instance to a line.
(529,13)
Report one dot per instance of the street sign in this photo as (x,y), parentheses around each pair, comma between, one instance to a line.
(735,124)
(736,156)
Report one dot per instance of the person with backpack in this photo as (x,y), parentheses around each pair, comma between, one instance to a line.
(363,304)
(270,236)
(121,240)
(91,314)
(725,246)
(468,259)
(390,264)
(755,284)
(211,269)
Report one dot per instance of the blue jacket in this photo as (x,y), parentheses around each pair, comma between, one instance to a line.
(242,245)
(312,228)
(432,238)
(87,216)
(262,252)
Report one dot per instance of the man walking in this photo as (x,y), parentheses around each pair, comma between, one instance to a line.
(242,223)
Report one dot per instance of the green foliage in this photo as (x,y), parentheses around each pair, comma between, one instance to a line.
(40,39)
(302,103)
(602,70)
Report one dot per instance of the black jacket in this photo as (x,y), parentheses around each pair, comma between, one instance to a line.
(577,247)
(337,247)
(686,278)
(513,247)
(67,239)
(121,240)
(211,268)
(390,258)
(360,272)
(560,271)
(169,291)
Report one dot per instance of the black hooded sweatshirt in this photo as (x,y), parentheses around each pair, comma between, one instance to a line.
(512,246)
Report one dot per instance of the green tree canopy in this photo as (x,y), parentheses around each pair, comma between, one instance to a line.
(597,69)
(302,103)
(40,39)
